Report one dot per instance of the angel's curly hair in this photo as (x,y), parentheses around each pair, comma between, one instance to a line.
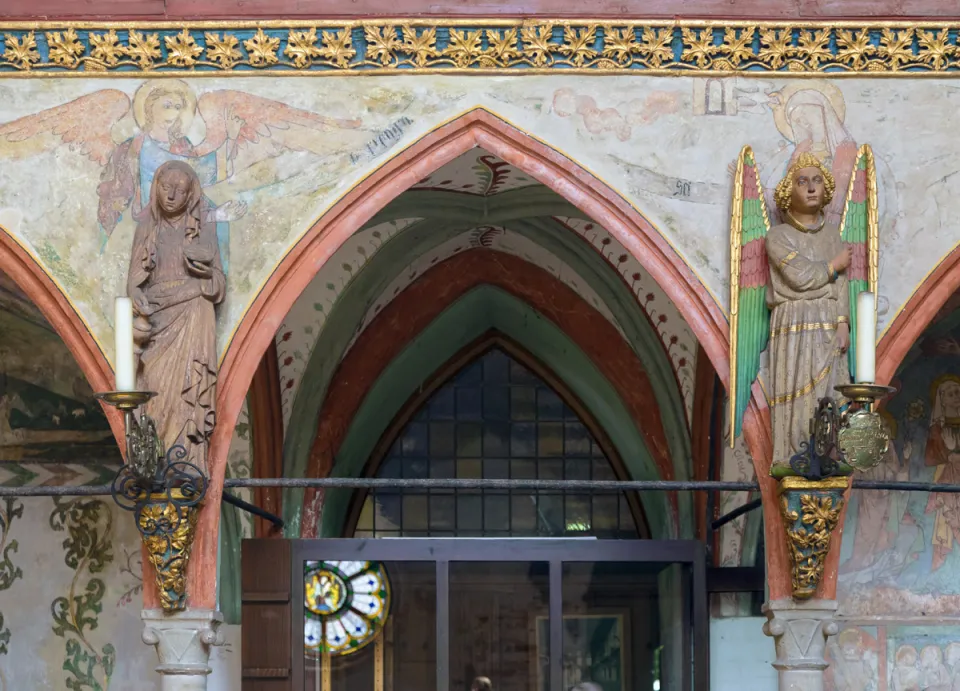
(784,189)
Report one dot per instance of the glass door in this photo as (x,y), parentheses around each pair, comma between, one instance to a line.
(499,614)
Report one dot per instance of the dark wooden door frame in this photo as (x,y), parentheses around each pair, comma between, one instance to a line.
(287,674)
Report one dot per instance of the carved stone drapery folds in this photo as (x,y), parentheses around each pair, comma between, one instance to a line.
(811,511)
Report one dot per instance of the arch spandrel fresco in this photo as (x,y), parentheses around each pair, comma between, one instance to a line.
(900,556)
(276,153)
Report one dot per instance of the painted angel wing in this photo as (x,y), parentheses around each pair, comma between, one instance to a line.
(749,274)
(268,126)
(85,124)
(860,230)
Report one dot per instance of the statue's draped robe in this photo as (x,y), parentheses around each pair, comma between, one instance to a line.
(179,361)
(806,307)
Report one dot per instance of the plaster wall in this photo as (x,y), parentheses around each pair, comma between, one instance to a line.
(649,138)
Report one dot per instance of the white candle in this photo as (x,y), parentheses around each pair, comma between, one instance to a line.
(123,341)
(866,338)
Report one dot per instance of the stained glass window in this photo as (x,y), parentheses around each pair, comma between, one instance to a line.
(345,604)
(495,419)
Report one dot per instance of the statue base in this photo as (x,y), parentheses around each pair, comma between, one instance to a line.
(811,511)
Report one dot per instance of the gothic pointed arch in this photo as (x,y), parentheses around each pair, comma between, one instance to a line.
(478,128)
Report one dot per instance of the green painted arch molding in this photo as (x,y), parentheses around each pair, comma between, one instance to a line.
(479,311)
(367,286)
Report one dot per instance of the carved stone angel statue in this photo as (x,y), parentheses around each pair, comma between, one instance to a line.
(796,285)
(175,280)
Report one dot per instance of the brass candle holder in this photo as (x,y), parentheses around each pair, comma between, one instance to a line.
(863,438)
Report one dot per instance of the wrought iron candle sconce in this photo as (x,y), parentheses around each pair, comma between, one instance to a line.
(811,498)
(163,491)
(842,441)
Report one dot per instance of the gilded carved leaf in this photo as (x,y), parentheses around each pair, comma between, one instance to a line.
(302,47)
(502,48)
(223,51)
(144,48)
(421,47)
(935,48)
(106,48)
(66,48)
(814,47)
(737,49)
(619,44)
(21,52)
(819,512)
(896,47)
(182,49)
(656,48)
(337,47)
(854,47)
(698,47)
(465,47)
(262,49)
(578,44)
(382,42)
(775,46)
(802,539)
(536,43)
(789,515)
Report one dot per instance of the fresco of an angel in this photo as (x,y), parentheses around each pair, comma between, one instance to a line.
(130,138)
(794,286)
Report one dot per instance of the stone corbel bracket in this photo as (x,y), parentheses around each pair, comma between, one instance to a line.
(811,511)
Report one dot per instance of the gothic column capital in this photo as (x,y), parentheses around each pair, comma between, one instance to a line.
(183,639)
(800,630)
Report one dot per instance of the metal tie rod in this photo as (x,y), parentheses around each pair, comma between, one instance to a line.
(487,484)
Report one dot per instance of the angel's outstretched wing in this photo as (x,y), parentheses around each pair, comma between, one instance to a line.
(266,127)
(860,230)
(749,274)
(84,124)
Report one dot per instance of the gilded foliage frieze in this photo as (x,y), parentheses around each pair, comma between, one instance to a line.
(693,47)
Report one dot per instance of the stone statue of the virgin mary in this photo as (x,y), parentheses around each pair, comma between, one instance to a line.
(175,280)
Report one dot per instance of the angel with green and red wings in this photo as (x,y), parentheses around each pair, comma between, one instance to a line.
(794,287)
